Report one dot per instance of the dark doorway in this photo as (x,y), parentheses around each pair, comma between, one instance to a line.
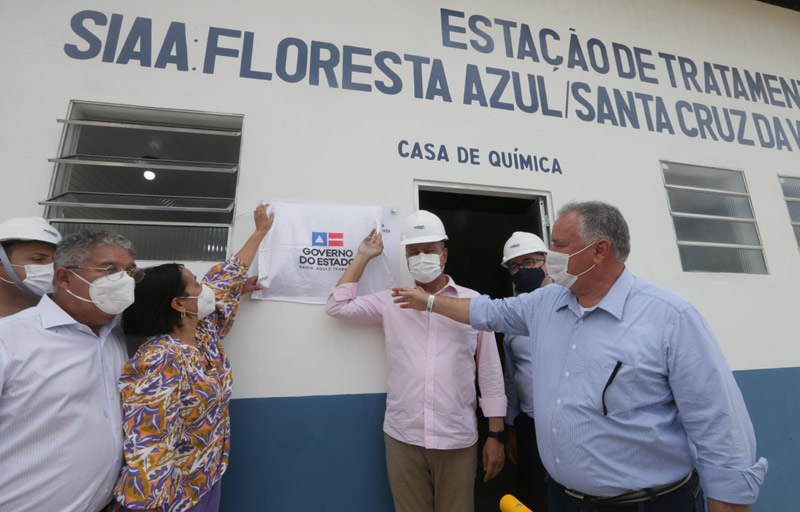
(477,227)
(786,4)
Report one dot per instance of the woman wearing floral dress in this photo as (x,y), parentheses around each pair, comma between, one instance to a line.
(176,389)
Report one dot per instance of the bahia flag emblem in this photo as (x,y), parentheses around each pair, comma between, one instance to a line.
(324,239)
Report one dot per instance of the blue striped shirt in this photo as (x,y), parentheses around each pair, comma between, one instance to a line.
(518,376)
(673,404)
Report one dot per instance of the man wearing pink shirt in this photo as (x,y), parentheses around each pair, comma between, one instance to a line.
(430,426)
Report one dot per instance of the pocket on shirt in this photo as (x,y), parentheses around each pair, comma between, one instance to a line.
(615,393)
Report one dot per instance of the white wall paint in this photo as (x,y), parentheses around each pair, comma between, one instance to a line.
(317,143)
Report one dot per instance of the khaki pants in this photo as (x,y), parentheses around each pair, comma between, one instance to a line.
(430,480)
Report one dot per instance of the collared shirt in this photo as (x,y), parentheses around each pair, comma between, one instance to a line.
(431,364)
(60,416)
(518,375)
(175,399)
(673,393)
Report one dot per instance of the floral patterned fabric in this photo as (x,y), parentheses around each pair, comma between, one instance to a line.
(175,400)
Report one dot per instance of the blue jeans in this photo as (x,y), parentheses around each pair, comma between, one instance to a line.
(688,498)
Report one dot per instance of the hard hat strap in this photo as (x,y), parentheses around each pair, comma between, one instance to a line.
(13,275)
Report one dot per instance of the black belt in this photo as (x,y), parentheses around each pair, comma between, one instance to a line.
(628,498)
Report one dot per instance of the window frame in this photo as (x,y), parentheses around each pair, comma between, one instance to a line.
(151,119)
(664,166)
(787,199)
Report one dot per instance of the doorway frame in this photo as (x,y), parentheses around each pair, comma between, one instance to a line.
(544,197)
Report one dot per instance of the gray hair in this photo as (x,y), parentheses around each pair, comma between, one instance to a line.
(601,220)
(76,248)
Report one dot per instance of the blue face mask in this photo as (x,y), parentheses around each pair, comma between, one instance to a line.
(528,279)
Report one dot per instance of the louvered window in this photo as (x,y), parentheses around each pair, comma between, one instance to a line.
(165,179)
(791,193)
(713,218)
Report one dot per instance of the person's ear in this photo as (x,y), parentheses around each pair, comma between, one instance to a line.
(177,305)
(601,250)
(444,257)
(62,277)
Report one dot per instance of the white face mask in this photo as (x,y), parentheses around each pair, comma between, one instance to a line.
(38,278)
(111,294)
(424,268)
(206,302)
(557,263)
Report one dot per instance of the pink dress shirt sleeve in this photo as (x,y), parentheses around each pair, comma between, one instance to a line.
(490,377)
(343,303)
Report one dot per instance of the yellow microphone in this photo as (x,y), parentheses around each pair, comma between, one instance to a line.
(511,504)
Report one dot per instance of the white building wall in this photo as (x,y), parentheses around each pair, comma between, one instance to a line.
(318,143)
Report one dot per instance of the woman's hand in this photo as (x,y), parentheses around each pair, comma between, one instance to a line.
(262,220)
(263,224)
(251,285)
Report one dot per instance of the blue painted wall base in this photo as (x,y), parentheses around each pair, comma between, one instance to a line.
(327,453)
(307,453)
(773,400)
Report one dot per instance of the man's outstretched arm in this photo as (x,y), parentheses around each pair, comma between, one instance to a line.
(412,298)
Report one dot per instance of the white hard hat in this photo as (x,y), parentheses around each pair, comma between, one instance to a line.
(421,227)
(521,243)
(29,229)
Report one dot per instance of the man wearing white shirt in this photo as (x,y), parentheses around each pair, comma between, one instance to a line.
(60,417)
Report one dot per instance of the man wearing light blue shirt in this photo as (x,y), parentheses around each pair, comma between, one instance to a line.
(630,388)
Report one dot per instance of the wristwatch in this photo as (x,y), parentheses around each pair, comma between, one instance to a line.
(500,435)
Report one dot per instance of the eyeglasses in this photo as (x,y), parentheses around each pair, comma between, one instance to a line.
(115,274)
(526,263)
